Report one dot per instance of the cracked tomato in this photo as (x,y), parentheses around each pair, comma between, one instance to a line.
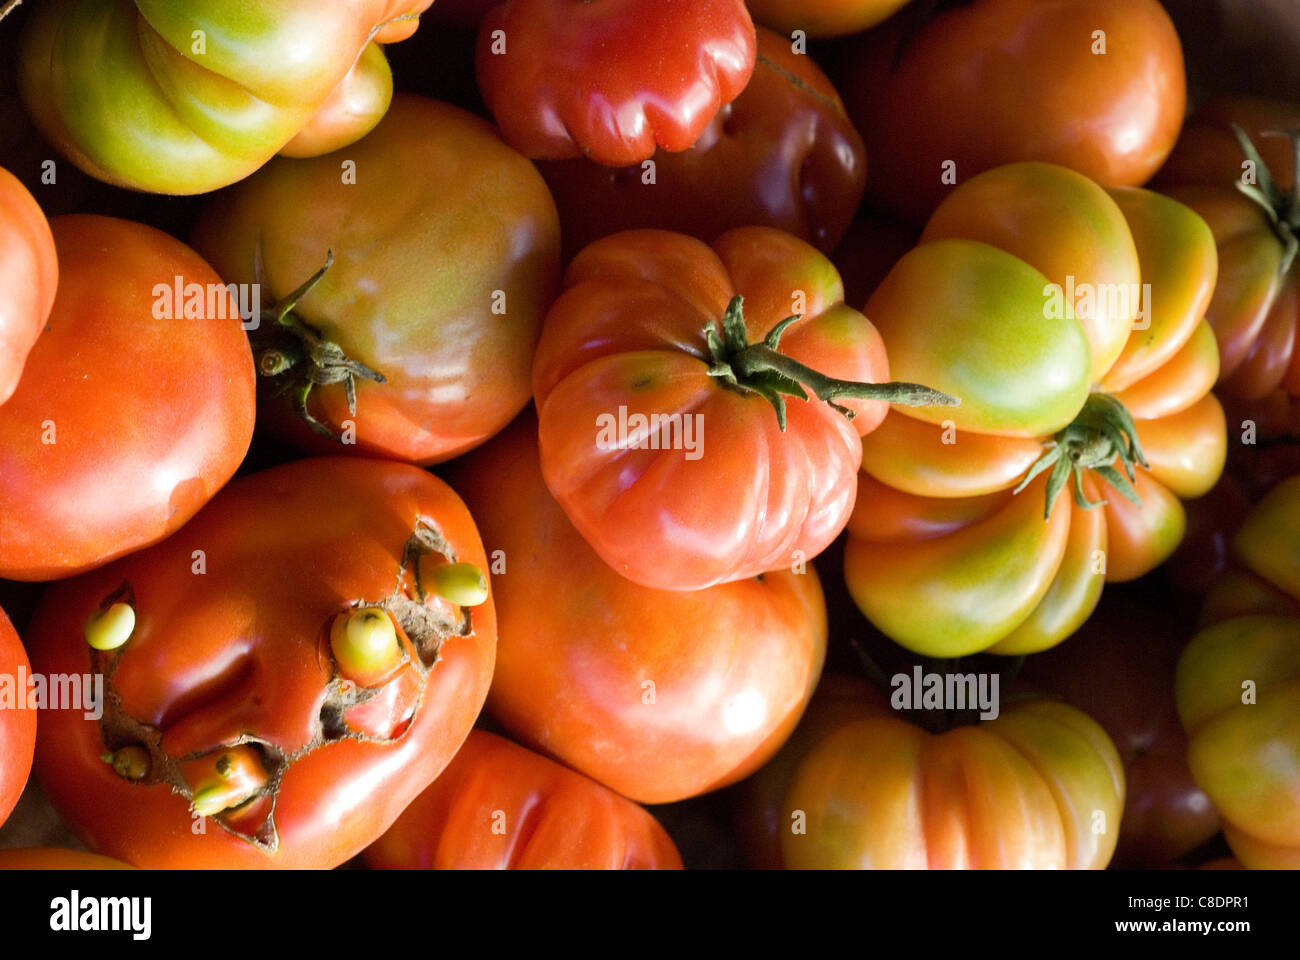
(498,806)
(29,275)
(611,80)
(281,677)
(185,98)
(17,722)
(135,405)
(385,333)
(659,695)
(1238,687)
(1070,322)
(662,380)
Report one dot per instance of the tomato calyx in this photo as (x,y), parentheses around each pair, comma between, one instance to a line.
(296,351)
(1102,432)
(758,368)
(1281,207)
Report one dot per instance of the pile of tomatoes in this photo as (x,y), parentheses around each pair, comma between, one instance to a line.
(863,431)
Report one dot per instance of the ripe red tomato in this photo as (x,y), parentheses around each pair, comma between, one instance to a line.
(498,806)
(996,81)
(782,154)
(611,80)
(430,317)
(658,438)
(659,695)
(17,722)
(29,274)
(135,405)
(283,685)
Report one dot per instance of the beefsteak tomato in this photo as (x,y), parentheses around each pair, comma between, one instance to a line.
(29,275)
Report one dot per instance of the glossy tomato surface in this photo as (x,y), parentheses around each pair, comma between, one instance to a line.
(230,672)
(29,274)
(659,695)
(134,408)
(498,806)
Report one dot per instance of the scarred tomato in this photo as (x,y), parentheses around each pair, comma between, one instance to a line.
(658,435)
(416,342)
(17,721)
(135,405)
(29,274)
(1094,85)
(281,677)
(1069,321)
(498,806)
(659,695)
(782,154)
(187,98)
(611,80)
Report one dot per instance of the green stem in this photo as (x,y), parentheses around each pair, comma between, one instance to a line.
(758,358)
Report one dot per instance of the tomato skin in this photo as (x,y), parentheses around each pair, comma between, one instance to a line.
(943,556)
(137,420)
(29,275)
(431,320)
(823,18)
(17,723)
(498,806)
(52,858)
(612,80)
(240,652)
(626,337)
(999,81)
(782,154)
(659,695)
(124,90)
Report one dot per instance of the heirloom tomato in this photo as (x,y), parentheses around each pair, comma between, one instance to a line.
(498,806)
(403,282)
(782,154)
(822,18)
(1070,322)
(658,434)
(281,677)
(17,721)
(611,80)
(1238,687)
(659,695)
(1235,165)
(185,98)
(135,405)
(1095,85)
(29,274)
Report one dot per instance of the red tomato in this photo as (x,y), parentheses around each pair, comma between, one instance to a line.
(282,686)
(498,806)
(658,439)
(782,154)
(996,81)
(659,695)
(29,274)
(133,408)
(611,80)
(823,18)
(17,723)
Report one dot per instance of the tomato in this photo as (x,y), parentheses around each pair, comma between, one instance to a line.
(134,408)
(1069,322)
(17,722)
(29,274)
(1119,670)
(658,695)
(1238,688)
(716,487)
(50,858)
(1257,302)
(1040,786)
(997,81)
(823,18)
(612,80)
(185,99)
(278,686)
(498,806)
(782,154)
(431,320)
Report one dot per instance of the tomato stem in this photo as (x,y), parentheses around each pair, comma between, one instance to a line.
(1281,207)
